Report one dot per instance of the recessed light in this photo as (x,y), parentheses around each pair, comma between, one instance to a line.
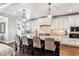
(14,12)
(69,10)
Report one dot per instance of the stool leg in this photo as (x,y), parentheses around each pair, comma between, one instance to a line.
(23,48)
(39,51)
(15,47)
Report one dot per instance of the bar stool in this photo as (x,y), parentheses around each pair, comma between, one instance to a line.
(37,46)
(49,46)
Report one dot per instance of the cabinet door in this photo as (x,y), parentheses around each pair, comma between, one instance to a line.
(60,22)
(74,20)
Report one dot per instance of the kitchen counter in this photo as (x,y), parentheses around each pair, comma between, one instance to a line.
(65,40)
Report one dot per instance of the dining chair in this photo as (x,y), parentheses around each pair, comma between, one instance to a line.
(17,43)
(37,46)
(26,45)
(49,46)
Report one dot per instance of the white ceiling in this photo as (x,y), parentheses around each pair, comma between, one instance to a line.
(38,9)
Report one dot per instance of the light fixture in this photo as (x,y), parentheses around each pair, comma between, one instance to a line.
(24,16)
(49,15)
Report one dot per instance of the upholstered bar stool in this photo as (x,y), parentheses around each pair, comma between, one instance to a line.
(49,46)
(37,46)
(25,43)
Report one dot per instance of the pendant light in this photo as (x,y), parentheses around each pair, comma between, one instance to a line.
(24,15)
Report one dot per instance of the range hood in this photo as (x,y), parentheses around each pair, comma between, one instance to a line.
(44,21)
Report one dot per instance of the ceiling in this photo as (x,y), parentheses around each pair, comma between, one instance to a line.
(34,10)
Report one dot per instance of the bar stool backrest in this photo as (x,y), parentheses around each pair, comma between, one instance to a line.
(25,40)
(36,42)
(50,44)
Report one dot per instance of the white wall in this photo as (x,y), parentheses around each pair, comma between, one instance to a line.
(11,27)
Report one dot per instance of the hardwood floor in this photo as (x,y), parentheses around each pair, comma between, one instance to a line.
(21,53)
(69,50)
(35,52)
(49,53)
(63,50)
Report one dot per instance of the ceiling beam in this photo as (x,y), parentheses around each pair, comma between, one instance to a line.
(69,14)
(55,16)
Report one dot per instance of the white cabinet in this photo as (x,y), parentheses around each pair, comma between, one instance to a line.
(74,20)
(60,22)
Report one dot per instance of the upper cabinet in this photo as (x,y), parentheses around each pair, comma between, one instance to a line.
(74,20)
(60,22)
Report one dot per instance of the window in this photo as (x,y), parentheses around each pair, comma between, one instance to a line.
(2,27)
